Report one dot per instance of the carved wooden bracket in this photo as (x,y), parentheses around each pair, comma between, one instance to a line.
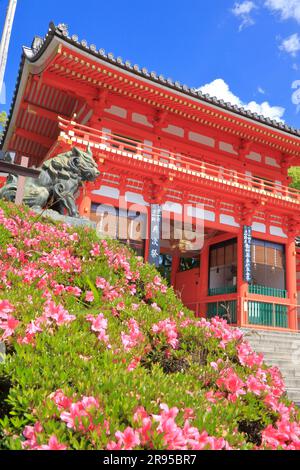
(98,104)
(293,227)
(248,210)
(244,148)
(159,120)
(156,189)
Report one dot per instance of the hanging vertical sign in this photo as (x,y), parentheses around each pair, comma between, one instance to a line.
(155,229)
(247,253)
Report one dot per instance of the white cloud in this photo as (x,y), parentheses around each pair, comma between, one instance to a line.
(243,11)
(220,89)
(287,8)
(291,45)
(261,90)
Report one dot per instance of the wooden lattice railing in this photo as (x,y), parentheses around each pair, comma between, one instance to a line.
(176,163)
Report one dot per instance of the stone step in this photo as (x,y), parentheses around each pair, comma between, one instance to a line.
(280,362)
(294,395)
(280,349)
(292,355)
(272,343)
(279,334)
(255,334)
(276,345)
(292,386)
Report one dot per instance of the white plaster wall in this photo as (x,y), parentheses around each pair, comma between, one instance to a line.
(141,119)
(175,130)
(228,220)
(107,191)
(117,111)
(254,156)
(135,198)
(202,139)
(226,147)
(272,162)
(259,227)
(277,231)
(171,206)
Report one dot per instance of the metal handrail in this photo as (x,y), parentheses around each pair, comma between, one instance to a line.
(175,161)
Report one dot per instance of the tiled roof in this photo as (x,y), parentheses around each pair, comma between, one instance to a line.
(39,45)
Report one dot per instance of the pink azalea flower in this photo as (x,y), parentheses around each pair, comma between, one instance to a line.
(113,446)
(30,433)
(99,325)
(8,325)
(76,291)
(33,328)
(134,337)
(101,283)
(68,418)
(134,363)
(247,357)
(95,250)
(58,313)
(120,306)
(89,296)
(62,258)
(74,412)
(156,307)
(231,382)
(140,414)
(53,444)
(169,328)
(189,414)
(5,308)
(254,385)
(129,439)
(61,400)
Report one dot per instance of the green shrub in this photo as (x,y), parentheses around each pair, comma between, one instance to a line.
(180,362)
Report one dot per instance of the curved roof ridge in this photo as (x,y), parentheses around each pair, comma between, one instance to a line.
(61,30)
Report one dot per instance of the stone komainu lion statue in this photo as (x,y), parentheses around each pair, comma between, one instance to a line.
(58,182)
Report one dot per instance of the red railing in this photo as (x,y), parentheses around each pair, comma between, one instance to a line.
(178,162)
(240,316)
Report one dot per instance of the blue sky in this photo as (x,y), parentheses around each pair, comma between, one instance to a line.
(246,51)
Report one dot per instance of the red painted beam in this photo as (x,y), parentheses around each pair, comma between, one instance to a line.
(42,140)
(72,86)
(32,108)
(229,122)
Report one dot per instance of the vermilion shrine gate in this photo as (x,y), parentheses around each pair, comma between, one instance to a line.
(160,143)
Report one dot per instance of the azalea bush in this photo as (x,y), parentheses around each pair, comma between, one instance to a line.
(101,354)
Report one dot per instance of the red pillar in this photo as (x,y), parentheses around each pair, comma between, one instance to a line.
(291,282)
(147,240)
(203,281)
(85,207)
(242,286)
(175,266)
